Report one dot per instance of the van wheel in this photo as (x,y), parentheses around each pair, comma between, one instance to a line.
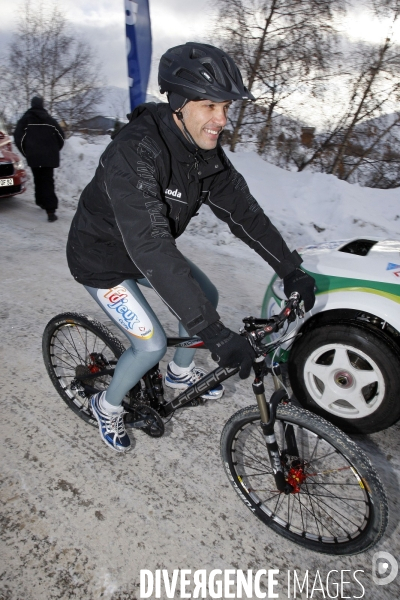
(349,375)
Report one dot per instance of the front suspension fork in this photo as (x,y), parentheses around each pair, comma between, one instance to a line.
(268,417)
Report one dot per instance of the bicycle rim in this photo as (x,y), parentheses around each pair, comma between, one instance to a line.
(337,506)
(77,352)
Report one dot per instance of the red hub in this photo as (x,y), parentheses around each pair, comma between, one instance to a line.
(296,476)
(93,367)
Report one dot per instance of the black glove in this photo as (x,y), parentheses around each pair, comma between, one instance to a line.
(227,348)
(298,281)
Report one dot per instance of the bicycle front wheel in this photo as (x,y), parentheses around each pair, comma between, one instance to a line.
(337,506)
(80,355)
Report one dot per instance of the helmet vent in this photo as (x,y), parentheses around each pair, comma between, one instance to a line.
(184,74)
(215,72)
(210,69)
(207,76)
(228,66)
(176,50)
(196,53)
(166,62)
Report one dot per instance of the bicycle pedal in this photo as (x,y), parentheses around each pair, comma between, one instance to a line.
(198,401)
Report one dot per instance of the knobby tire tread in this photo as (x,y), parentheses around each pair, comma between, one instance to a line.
(344,445)
(95,327)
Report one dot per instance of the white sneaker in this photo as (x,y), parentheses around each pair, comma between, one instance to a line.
(111,426)
(190,377)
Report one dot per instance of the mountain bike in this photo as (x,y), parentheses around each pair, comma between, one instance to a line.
(299,474)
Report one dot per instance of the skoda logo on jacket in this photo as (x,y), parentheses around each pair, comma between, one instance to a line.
(174,193)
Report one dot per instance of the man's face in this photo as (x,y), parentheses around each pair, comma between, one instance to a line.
(205,121)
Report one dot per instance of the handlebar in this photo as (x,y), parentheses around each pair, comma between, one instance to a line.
(256,329)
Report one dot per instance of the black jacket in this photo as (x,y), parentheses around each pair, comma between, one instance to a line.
(148,185)
(40,138)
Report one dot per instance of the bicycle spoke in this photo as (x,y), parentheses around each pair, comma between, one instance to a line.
(251,457)
(327,508)
(315,518)
(333,483)
(78,346)
(341,498)
(275,493)
(72,341)
(258,474)
(321,503)
(319,509)
(314,515)
(67,351)
(279,501)
(321,457)
(259,441)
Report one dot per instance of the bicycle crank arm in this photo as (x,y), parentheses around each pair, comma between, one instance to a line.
(145,418)
(139,424)
(90,391)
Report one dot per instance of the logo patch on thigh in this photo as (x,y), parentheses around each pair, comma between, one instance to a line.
(120,304)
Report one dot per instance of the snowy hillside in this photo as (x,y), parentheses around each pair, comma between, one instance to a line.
(306,207)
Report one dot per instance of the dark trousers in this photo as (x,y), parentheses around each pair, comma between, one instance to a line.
(45,195)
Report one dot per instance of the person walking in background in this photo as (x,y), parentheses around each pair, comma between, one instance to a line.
(40,138)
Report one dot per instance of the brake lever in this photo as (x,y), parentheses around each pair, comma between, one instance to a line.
(294,308)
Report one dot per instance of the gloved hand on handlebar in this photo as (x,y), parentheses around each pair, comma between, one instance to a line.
(301,282)
(228,348)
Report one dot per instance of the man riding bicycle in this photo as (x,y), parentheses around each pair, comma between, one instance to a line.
(151,180)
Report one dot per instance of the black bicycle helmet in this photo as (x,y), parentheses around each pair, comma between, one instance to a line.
(196,71)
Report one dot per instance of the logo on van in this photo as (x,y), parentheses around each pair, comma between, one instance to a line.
(173,193)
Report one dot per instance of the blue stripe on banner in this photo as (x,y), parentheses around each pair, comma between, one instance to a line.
(138,49)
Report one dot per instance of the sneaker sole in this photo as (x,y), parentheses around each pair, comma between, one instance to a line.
(182,386)
(214,397)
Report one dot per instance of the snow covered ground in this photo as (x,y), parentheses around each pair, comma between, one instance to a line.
(77,521)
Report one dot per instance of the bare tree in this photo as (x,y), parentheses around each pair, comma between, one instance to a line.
(361,139)
(47,59)
(280,46)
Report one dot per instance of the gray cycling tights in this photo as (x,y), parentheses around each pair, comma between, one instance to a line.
(129,310)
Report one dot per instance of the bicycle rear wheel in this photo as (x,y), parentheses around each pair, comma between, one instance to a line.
(80,355)
(338,505)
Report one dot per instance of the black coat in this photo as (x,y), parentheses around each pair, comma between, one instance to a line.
(149,184)
(40,138)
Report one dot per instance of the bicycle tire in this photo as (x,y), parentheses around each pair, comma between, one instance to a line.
(321,516)
(73,343)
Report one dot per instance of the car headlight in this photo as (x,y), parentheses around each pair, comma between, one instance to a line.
(18,166)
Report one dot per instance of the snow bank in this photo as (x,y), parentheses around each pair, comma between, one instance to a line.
(306,207)
(79,160)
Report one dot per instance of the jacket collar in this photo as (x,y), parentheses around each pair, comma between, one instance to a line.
(37,112)
(203,162)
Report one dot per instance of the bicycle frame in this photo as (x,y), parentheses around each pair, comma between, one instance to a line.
(255,329)
(206,383)
(220,374)
(272,440)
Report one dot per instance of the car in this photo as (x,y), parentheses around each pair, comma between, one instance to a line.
(12,170)
(343,358)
